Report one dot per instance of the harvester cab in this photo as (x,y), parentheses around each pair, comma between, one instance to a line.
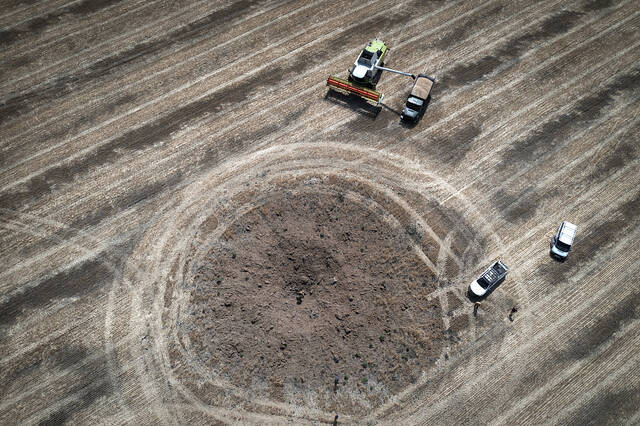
(365,70)
(365,73)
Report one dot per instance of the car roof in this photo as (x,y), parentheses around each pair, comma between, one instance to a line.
(567,232)
(491,274)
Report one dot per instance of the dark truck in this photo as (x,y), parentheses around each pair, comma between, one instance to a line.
(489,278)
(417,101)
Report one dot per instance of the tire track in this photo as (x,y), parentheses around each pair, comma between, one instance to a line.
(107,355)
(611,192)
(192,208)
(573,308)
(530,344)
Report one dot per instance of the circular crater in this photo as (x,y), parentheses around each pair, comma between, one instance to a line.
(259,284)
(313,285)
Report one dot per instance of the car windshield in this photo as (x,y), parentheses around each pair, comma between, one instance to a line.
(562,246)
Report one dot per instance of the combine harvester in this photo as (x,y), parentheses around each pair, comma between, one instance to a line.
(365,73)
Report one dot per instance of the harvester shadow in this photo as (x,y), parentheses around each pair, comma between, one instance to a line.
(354,103)
(388,108)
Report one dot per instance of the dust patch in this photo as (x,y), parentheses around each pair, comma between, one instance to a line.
(216,22)
(465,74)
(602,331)
(595,240)
(462,31)
(451,148)
(553,134)
(79,280)
(607,408)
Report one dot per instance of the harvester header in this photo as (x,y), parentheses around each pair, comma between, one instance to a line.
(344,85)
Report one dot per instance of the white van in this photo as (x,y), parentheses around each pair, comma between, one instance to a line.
(563,239)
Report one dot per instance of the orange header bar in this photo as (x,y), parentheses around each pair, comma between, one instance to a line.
(360,91)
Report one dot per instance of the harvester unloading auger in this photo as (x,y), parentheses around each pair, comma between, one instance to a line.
(365,73)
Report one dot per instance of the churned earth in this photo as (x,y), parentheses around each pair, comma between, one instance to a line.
(310,287)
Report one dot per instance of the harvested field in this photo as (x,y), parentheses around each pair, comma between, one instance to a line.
(193,230)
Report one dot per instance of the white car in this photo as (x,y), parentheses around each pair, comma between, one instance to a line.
(563,239)
(489,278)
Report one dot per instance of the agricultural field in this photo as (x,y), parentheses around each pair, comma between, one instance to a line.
(194,230)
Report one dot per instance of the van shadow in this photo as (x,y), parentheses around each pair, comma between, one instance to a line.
(474,299)
(354,103)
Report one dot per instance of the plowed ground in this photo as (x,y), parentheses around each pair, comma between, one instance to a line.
(193,230)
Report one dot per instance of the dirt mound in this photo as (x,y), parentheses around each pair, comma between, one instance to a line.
(308,287)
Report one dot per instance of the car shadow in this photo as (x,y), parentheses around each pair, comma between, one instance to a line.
(473,298)
(354,103)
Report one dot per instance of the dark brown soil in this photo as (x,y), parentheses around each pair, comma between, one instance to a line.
(310,287)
